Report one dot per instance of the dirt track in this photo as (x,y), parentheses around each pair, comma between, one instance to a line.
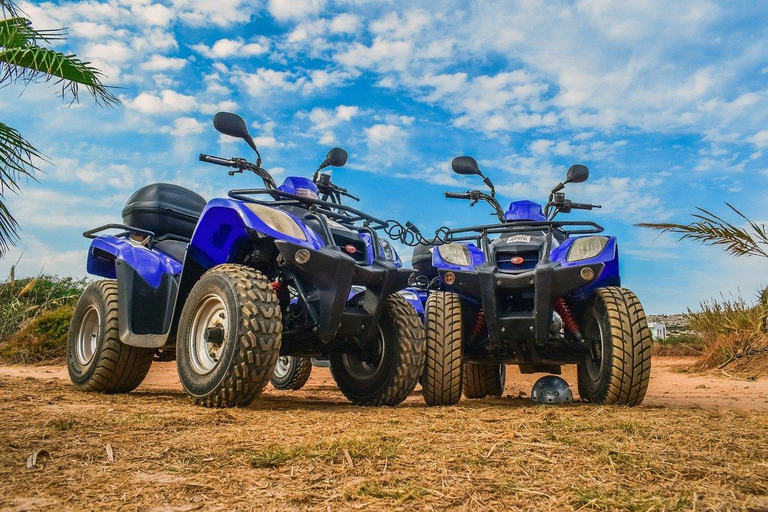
(670,385)
(311,449)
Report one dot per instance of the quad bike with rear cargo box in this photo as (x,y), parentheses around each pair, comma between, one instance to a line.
(232,284)
(528,291)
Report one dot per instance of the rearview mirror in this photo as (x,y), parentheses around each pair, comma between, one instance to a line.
(577,174)
(336,157)
(465,165)
(231,124)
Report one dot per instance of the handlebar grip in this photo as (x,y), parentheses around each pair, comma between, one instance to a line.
(456,195)
(584,206)
(216,160)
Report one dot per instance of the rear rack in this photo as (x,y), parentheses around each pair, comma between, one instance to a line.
(128,230)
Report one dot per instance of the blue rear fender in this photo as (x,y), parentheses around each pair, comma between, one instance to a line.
(148,283)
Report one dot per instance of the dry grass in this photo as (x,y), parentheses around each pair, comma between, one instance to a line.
(305,450)
(732,329)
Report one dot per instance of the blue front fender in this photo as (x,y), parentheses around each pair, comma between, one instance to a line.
(226,224)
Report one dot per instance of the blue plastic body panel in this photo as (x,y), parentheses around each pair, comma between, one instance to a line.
(524,210)
(151,265)
(610,276)
(299,186)
(225,223)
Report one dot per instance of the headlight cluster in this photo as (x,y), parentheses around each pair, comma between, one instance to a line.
(388,250)
(278,220)
(455,254)
(586,248)
(408,295)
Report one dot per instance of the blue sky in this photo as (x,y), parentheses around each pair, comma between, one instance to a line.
(666,102)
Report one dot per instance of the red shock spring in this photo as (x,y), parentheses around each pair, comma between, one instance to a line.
(562,309)
(277,287)
(479,326)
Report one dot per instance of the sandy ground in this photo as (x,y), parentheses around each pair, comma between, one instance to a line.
(698,442)
(671,385)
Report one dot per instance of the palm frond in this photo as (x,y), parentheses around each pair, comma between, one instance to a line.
(8,8)
(38,64)
(18,32)
(711,229)
(17,162)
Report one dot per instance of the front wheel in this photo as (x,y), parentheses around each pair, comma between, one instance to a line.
(229,337)
(442,380)
(291,372)
(621,368)
(387,374)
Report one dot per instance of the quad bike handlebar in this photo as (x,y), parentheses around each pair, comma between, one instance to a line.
(240,164)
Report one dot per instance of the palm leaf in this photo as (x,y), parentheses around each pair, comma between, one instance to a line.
(8,8)
(29,62)
(18,32)
(17,162)
(711,229)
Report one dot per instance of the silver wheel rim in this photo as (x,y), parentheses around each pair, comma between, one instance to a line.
(204,354)
(282,367)
(362,370)
(88,335)
(595,368)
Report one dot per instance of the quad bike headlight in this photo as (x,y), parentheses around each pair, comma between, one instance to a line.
(455,254)
(388,250)
(408,295)
(278,220)
(586,248)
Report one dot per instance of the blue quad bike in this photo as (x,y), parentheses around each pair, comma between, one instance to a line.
(231,285)
(527,291)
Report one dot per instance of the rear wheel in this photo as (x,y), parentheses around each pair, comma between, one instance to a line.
(391,368)
(442,380)
(291,372)
(484,379)
(96,358)
(229,337)
(616,322)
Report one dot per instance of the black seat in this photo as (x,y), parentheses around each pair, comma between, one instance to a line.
(173,248)
(422,260)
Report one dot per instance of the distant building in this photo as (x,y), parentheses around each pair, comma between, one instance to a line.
(658,330)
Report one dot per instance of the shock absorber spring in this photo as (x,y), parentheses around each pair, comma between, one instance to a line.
(277,287)
(562,309)
(479,326)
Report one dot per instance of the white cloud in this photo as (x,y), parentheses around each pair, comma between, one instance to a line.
(382,133)
(225,48)
(167,101)
(294,9)
(185,126)
(162,63)
(324,120)
(760,139)
(222,106)
(345,23)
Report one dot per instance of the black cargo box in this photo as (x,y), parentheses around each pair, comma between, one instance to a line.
(164,209)
(421,261)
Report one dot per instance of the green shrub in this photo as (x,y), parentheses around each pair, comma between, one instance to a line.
(43,339)
(22,300)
